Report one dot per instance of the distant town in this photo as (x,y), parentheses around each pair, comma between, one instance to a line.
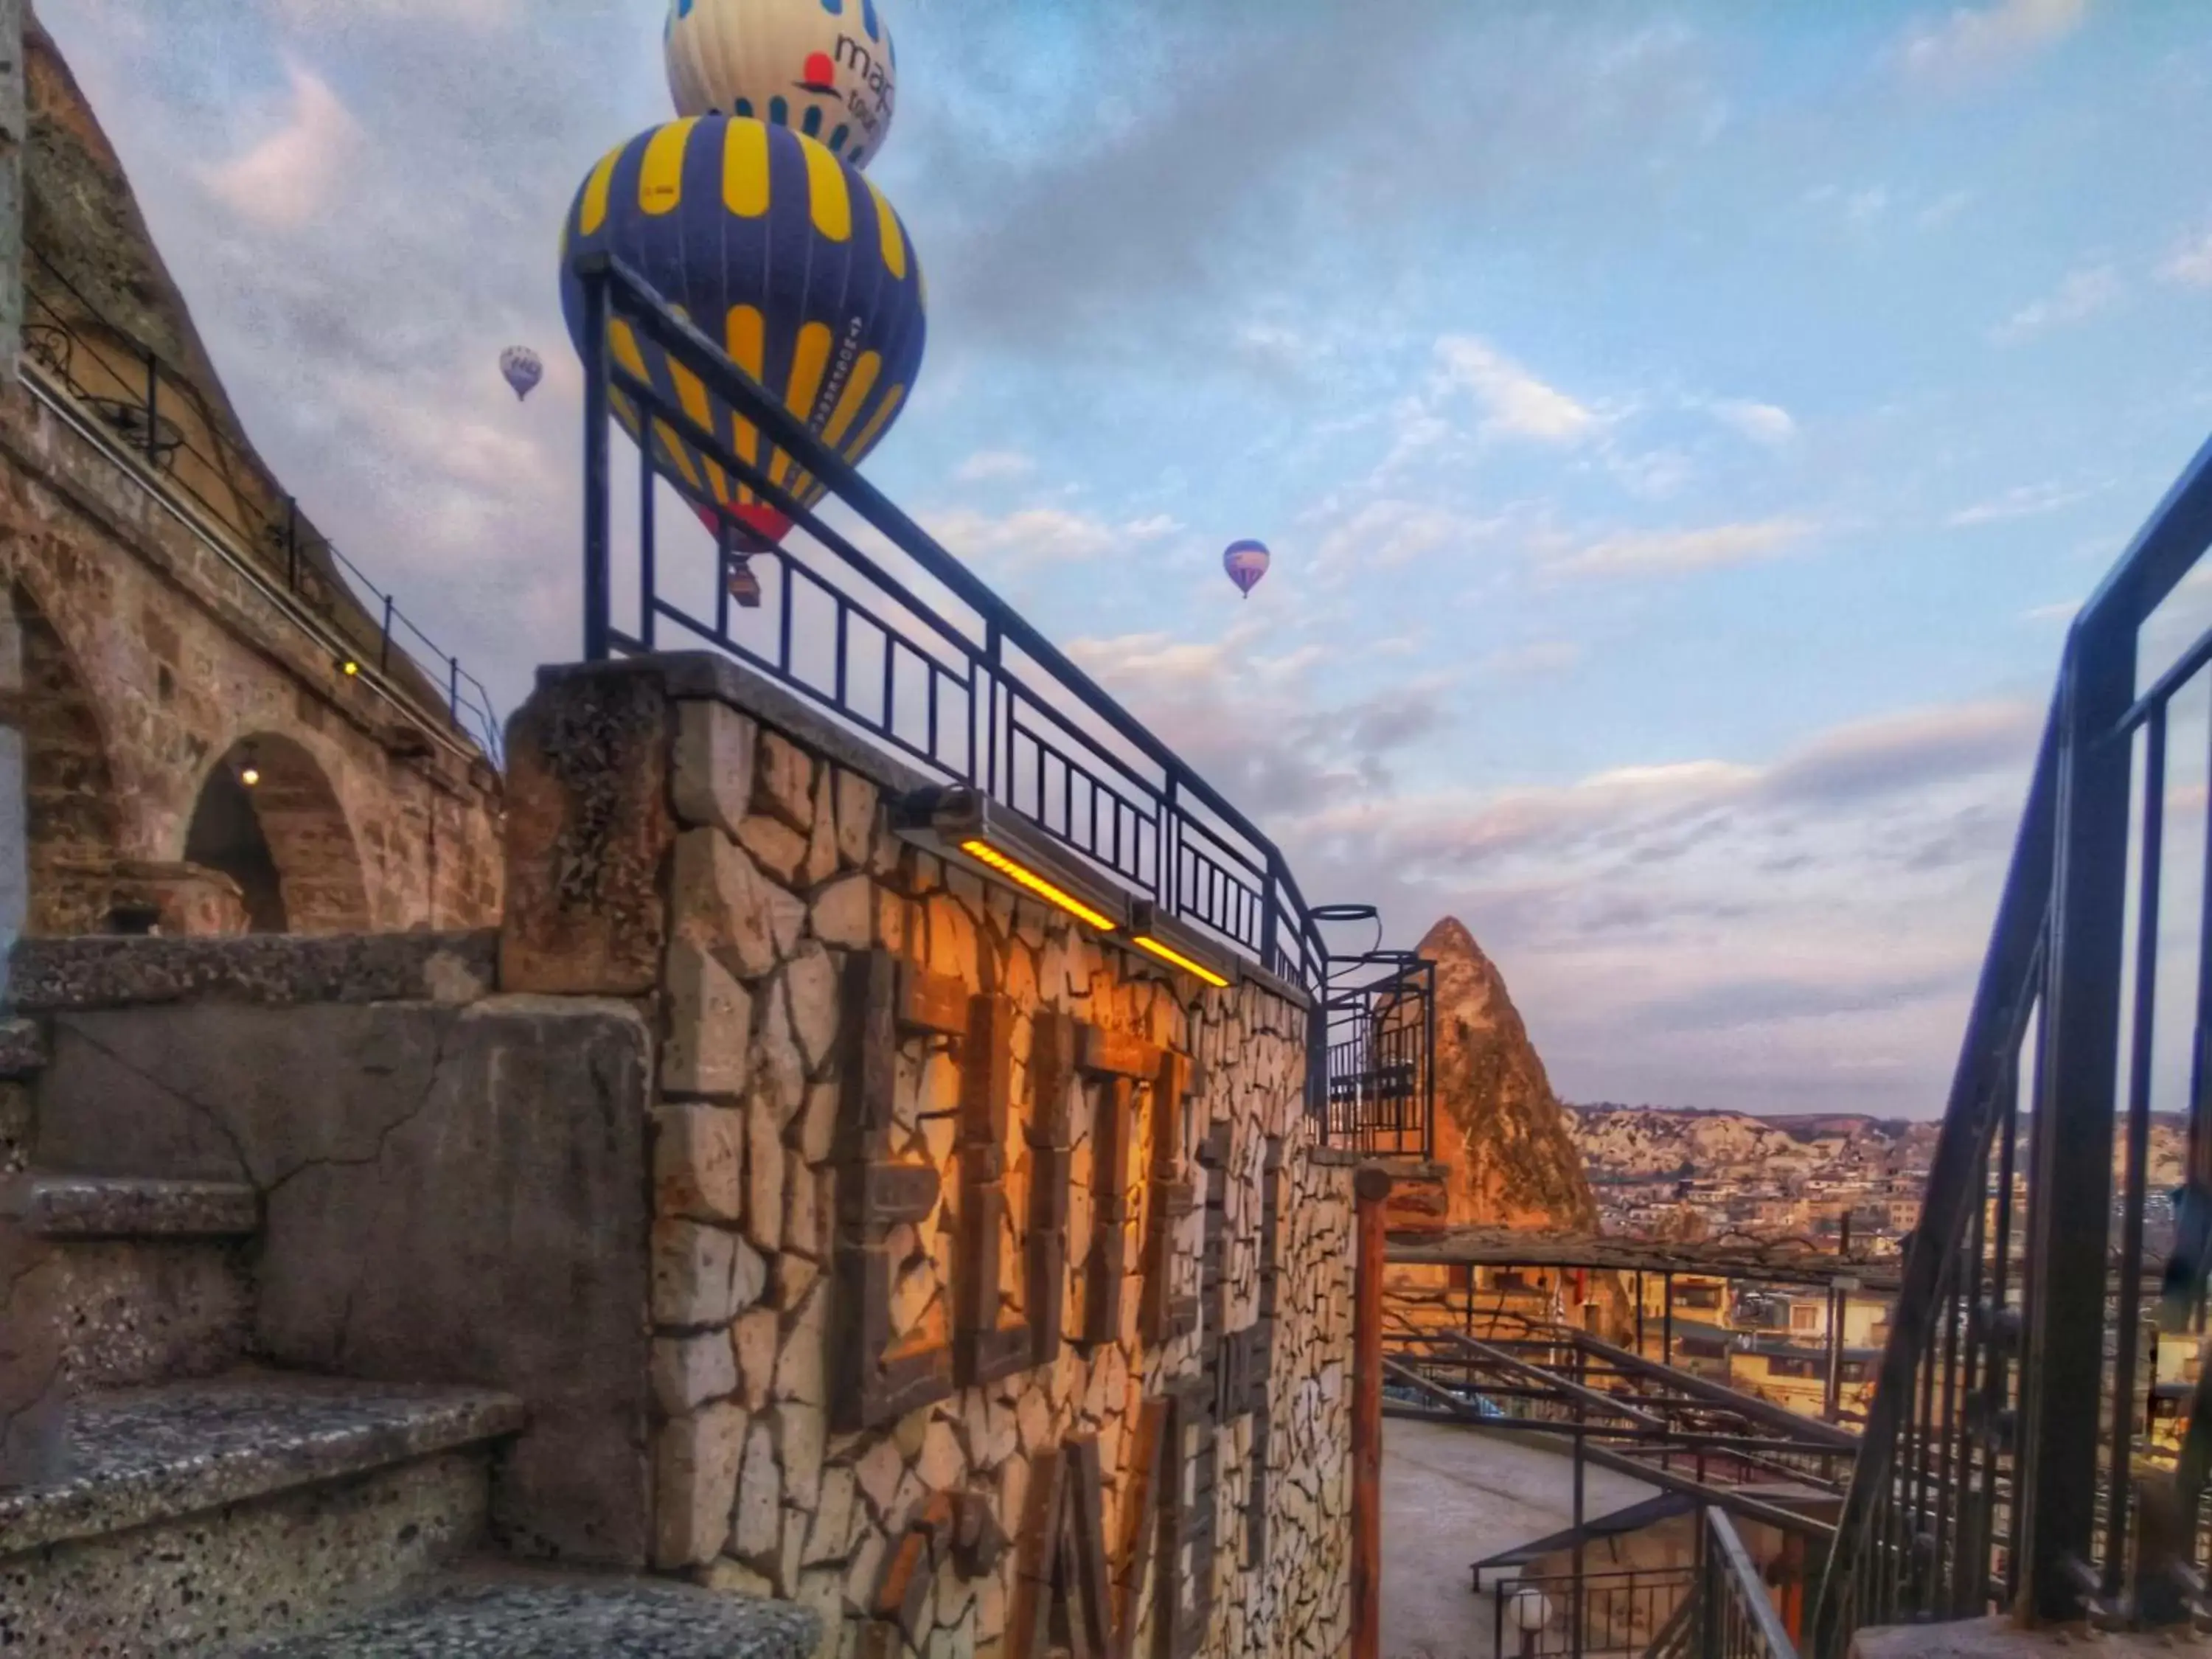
(1835,1182)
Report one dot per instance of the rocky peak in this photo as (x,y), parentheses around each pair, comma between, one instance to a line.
(1500,1130)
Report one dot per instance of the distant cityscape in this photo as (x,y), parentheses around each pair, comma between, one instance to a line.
(1829,1180)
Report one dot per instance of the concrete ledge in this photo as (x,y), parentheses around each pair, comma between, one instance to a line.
(108,1208)
(22,1050)
(56,975)
(145,1455)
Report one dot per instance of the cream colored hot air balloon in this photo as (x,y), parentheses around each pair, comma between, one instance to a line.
(826,67)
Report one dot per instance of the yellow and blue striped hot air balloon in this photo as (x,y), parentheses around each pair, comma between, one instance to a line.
(789,259)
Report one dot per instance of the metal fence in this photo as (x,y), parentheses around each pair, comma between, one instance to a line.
(2008,1461)
(1382,1024)
(1540,1615)
(1734,1617)
(925,658)
(159,413)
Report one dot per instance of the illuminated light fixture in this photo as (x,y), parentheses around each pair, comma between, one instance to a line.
(983,852)
(249,774)
(348,667)
(1155,934)
(960,823)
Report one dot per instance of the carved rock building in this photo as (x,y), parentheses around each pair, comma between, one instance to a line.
(636,1200)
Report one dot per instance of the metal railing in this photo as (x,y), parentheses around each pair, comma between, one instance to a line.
(1735,1618)
(2008,1462)
(1616,1613)
(1381,1023)
(929,661)
(154,411)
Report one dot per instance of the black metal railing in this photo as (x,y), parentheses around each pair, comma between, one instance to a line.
(1382,1033)
(1542,1616)
(156,411)
(926,659)
(2009,1461)
(1736,1619)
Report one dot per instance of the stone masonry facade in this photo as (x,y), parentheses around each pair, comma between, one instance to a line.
(998,1302)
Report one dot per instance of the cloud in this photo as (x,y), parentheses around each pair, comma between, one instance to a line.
(2190,263)
(1388,533)
(1674,552)
(1034,536)
(987,464)
(477,15)
(1904,752)
(2080,296)
(1538,659)
(285,181)
(1763,424)
(1515,403)
(1975,39)
(2022,501)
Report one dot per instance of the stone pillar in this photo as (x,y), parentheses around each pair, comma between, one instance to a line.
(34,1426)
(15,820)
(1372,1189)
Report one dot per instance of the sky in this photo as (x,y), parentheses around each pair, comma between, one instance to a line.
(1684,431)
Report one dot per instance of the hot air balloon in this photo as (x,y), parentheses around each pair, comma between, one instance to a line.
(824,67)
(785,255)
(522,369)
(1246,563)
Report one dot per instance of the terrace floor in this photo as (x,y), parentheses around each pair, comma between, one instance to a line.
(1451,1496)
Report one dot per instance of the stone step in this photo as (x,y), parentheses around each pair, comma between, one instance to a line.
(524,1616)
(151,1277)
(193,1515)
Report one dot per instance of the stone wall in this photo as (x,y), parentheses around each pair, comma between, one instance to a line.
(994,1288)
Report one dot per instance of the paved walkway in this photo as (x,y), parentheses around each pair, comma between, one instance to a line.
(1451,1495)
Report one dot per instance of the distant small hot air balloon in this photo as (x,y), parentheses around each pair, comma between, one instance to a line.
(824,67)
(523,370)
(812,279)
(1246,563)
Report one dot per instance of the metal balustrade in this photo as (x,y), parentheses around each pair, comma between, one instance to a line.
(2012,1461)
(158,415)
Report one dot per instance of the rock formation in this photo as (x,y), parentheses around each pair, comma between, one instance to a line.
(1500,1130)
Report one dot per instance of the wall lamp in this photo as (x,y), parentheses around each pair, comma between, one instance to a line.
(962,824)
(1160,935)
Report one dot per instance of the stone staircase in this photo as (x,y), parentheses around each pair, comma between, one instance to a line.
(188,1501)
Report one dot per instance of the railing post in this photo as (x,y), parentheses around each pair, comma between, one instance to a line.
(1372,1194)
(291,544)
(153,399)
(453,688)
(596,537)
(2071,1153)
(383,642)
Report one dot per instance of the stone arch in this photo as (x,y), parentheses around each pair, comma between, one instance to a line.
(283,839)
(68,834)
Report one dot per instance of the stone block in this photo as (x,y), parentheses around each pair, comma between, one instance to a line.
(757,1523)
(800,1431)
(753,1342)
(764,1157)
(719,904)
(779,1073)
(844,913)
(783,781)
(856,818)
(775,847)
(699,1163)
(690,1371)
(695,1463)
(832,1524)
(713,774)
(811,981)
(710,1023)
(587,829)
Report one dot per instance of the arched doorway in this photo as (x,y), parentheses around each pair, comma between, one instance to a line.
(60,821)
(268,818)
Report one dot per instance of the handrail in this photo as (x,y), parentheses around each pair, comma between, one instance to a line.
(613,291)
(132,408)
(2006,1432)
(1736,1619)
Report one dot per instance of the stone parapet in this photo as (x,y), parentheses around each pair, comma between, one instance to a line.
(989,1262)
